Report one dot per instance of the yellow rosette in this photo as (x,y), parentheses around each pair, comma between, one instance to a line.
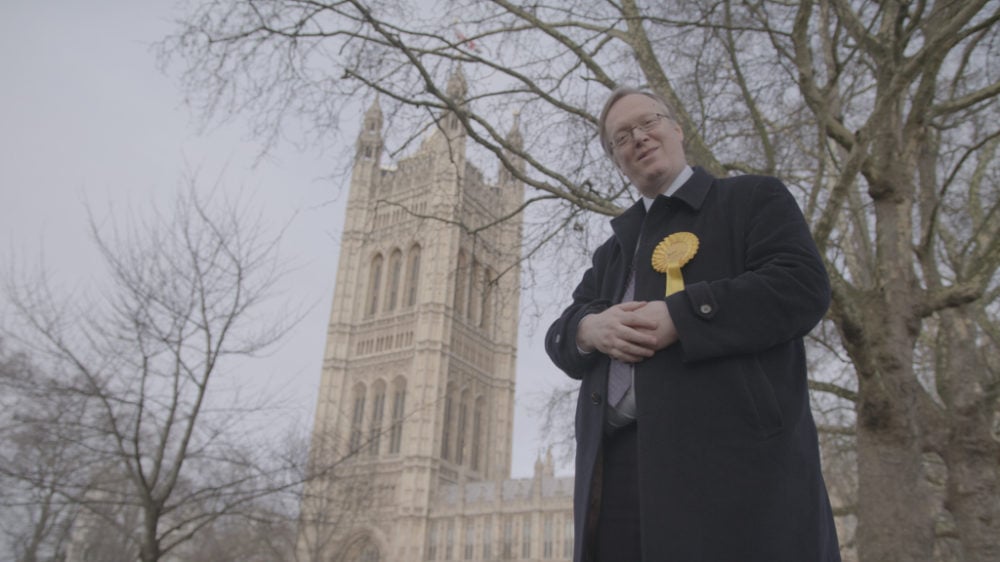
(670,256)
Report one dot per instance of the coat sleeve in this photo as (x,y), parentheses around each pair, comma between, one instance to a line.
(560,340)
(783,292)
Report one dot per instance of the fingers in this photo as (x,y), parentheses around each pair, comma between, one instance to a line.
(631,346)
(633,314)
(630,352)
(659,324)
(630,306)
(610,332)
(628,332)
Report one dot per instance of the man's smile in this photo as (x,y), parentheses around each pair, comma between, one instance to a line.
(642,155)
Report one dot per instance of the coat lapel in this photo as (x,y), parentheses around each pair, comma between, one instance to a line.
(626,227)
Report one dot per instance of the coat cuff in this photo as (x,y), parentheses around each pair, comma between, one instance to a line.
(695,303)
(576,357)
(702,301)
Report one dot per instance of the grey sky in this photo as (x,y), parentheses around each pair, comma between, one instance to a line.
(86,117)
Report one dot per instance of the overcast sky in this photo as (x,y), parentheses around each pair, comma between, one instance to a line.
(86,118)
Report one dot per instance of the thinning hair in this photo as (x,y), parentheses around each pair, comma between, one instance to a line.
(617,94)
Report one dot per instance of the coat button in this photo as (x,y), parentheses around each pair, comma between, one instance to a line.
(595,397)
(706,309)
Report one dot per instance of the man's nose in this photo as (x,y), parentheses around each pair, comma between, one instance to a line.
(639,136)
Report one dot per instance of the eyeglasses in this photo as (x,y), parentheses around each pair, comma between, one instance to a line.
(622,137)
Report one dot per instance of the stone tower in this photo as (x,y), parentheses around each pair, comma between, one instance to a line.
(417,389)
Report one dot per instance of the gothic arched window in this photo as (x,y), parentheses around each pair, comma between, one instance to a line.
(395,273)
(488,538)
(489,291)
(375,429)
(449,539)
(470,539)
(507,546)
(462,428)
(374,285)
(446,425)
(432,540)
(475,289)
(413,276)
(548,536)
(526,537)
(477,433)
(357,418)
(461,290)
(398,409)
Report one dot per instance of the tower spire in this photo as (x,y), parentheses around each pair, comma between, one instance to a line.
(514,136)
(457,87)
(368,155)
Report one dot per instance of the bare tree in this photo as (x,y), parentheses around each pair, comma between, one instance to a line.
(881,115)
(34,466)
(140,372)
(264,528)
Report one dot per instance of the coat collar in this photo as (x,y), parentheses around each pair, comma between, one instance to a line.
(692,193)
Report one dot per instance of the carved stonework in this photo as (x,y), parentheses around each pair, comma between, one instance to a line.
(414,416)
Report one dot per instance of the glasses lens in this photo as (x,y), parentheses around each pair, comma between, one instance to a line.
(649,123)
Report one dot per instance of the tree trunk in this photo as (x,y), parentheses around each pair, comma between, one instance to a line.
(149,547)
(895,515)
(150,551)
(971,453)
(895,520)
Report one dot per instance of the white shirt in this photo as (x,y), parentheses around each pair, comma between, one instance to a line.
(682,177)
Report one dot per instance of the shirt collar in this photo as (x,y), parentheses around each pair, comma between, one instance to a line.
(682,177)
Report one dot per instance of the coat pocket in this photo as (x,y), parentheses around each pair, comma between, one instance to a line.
(760,394)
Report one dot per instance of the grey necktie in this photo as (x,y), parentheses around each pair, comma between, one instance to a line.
(620,374)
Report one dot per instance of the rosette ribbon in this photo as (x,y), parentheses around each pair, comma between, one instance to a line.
(671,254)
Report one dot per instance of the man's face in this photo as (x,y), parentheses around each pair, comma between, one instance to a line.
(651,159)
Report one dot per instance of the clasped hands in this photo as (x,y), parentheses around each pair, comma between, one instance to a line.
(629,331)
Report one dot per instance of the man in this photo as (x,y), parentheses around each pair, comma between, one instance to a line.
(695,441)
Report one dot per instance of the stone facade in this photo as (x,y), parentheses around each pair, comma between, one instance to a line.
(414,421)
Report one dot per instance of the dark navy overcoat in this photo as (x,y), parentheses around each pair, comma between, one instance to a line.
(728,460)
